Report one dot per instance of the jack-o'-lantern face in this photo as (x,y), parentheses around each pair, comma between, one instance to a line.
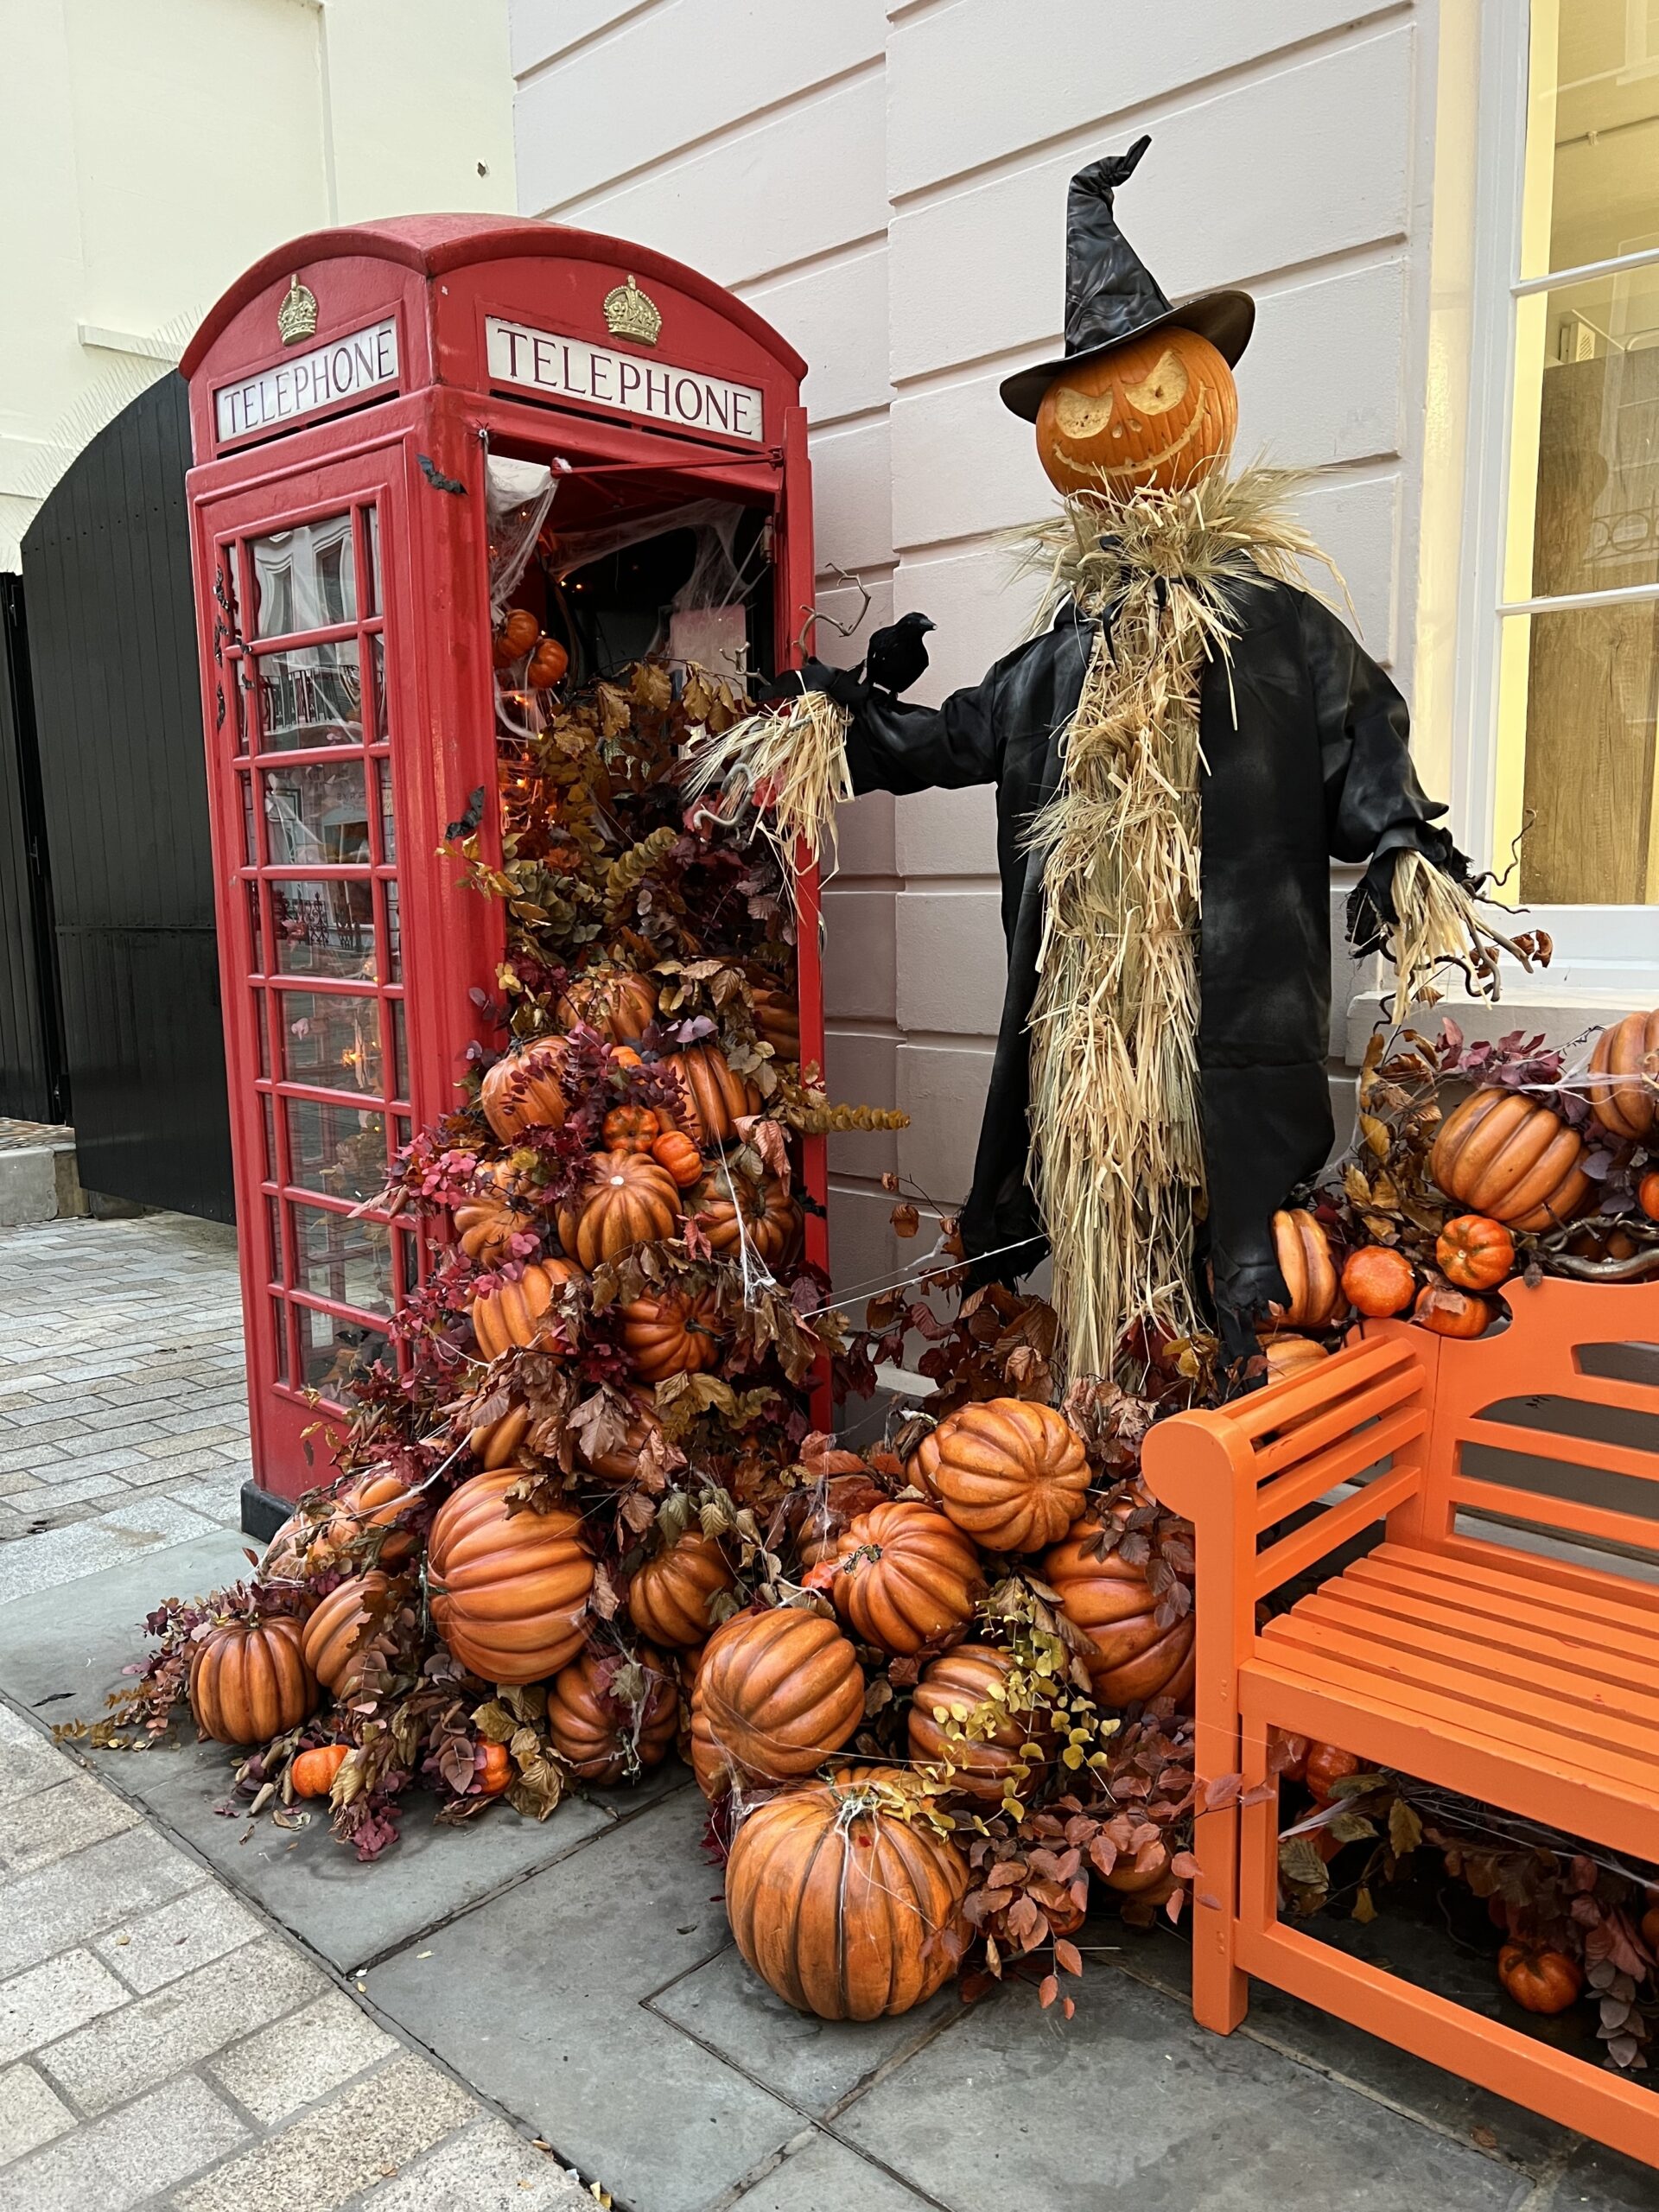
(1155,412)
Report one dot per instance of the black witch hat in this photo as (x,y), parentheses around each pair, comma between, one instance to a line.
(1110,294)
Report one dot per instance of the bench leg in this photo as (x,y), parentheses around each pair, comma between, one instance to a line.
(1221,1994)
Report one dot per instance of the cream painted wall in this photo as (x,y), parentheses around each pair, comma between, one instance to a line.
(150,149)
(887,182)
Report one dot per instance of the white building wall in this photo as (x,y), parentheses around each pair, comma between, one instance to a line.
(150,150)
(886,183)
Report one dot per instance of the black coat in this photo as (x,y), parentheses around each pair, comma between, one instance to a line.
(1314,766)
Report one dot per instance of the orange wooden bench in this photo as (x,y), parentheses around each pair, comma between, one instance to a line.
(1528,1681)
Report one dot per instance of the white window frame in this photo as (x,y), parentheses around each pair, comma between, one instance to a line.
(1605,956)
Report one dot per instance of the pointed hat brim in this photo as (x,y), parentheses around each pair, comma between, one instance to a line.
(1226,319)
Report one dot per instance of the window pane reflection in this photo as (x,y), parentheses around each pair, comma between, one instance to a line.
(304,578)
(332,1042)
(311,696)
(323,926)
(333,1352)
(339,1150)
(346,1260)
(317,813)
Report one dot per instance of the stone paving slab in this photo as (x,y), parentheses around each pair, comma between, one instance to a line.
(820,2175)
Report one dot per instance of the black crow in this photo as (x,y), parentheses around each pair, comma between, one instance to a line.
(896,657)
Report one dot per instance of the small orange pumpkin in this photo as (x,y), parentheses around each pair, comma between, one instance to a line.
(1325,1765)
(547,665)
(525,1090)
(631,1128)
(495,1443)
(1450,1312)
(1155,413)
(630,1200)
(1540,1982)
(1010,1472)
(620,1462)
(675,1151)
(1288,1355)
(776,1693)
(517,1312)
(712,1095)
(1377,1280)
(969,1686)
(618,1005)
(1303,1251)
(487,1220)
(313,1773)
(729,1208)
(491,1770)
(1475,1253)
(1624,1077)
(777,1019)
(374,1501)
(904,1577)
(342,1624)
(676,1332)
(1647,1194)
(1505,1154)
(1133,1657)
(516,636)
(601,1737)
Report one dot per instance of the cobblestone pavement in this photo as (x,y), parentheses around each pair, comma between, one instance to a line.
(162,2044)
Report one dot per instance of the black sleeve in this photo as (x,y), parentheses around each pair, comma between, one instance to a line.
(894,746)
(1375,806)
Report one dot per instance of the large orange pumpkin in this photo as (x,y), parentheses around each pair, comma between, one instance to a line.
(923,1464)
(1507,1155)
(1133,1658)
(712,1095)
(340,1626)
(969,1685)
(602,1737)
(668,1597)
(777,1019)
(248,1682)
(517,1314)
(508,1591)
(1475,1253)
(1152,414)
(823,1513)
(486,1221)
(676,1332)
(619,1007)
(629,1201)
(905,1577)
(1303,1251)
(839,1903)
(1378,1281)
(1009,1471)
(777,1693)
(1624,1077)
(730,1207)
(525,1090)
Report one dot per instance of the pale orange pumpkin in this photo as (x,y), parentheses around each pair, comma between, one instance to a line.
(509,1591)
(675,1332)
(1377,1280)
(618,1005)
(729,1208)
(343,1622)
(712,1095)
(1134,1657)
(1450,1312)
(959,1717)
(601,1737)
(1303,1251)
(777,1019)
(1289,1355)
(1475,1253)
(675,1151)
(776,1693)
(1507,1155)
(495,1443)
(487,1220)
(1152,414)
(248,1682)
(669,1596)
(1624,1077)
(525,1090)
(629,1201)
(517,1313)
(1010,1472)
(904,1577)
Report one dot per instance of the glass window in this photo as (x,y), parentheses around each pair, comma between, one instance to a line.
(250,833)
(388,821)
(372,524)
(339,1150)
(279,1337)
(377,662)
(311,696)
(399,1055)
(394,937)
(332,1351)
(346,1260)
(256,928)
(324,925)
(304,578)
(1578,761)
(331,1040)
(317,813)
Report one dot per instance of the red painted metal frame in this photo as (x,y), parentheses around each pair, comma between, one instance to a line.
(438,276)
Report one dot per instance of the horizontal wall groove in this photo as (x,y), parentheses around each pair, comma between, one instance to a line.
(811,265)
(972,884)
(853,418)
(1082,139)
(726,134)
(602,35)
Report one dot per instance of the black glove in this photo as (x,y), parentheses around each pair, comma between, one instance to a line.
(1371,912)
(844,685)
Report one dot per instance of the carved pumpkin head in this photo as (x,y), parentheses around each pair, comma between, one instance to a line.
(1154,412)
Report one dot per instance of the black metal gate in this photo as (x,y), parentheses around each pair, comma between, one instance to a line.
(31,1085)
(106,565)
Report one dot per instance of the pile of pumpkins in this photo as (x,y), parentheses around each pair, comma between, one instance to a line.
(845,1883)
(1519,1167)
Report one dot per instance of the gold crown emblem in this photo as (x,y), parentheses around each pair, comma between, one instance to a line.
(296,318)
(630,313)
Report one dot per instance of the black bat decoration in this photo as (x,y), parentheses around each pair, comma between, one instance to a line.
(469,821)
(896,657)
(436,477)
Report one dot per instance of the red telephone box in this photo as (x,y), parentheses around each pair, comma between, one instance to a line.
(349,396)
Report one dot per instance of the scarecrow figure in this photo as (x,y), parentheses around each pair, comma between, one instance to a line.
(1179,754)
